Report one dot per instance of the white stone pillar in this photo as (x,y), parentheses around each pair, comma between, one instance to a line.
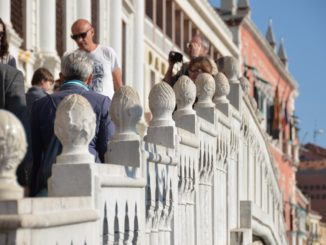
(139,50)
(13,38)
(5,11)
(84,9)
(116,26)
(48,56)
(47,25)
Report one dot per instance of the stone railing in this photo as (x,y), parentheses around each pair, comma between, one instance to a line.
(201,175)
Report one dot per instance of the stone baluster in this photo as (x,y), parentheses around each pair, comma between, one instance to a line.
(12,151)
(205,109)
(126,112)
(222,89)
(245,85)
(186,121)
(231,69)
(205,86)
(185,92)
(161,134)
(161,128)
(74,126)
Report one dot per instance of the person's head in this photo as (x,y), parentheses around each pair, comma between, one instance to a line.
(76,65)
(198,46)
(198,65)
(4,46)
(43,78)
(82,32)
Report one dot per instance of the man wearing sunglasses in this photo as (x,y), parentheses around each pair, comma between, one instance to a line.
(106,70)
(198,46)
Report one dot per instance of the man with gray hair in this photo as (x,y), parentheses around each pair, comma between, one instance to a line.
(198,46)
(76,73)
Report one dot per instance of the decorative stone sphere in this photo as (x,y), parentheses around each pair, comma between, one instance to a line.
(185,92)
(12,144)
(205,85)
(74,125)
(126,112)
(161,103)
(230,67)
(245,85)
(222,88)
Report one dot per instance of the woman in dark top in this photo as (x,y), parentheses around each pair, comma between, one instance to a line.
(5,57)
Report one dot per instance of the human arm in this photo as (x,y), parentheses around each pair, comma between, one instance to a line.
(169,73)
(117,78)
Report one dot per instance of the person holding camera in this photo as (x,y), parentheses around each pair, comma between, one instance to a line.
(198,46)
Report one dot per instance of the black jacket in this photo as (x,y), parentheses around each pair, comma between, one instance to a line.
(12,98)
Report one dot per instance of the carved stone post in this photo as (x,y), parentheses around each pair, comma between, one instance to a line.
(75,127)
(231,69)
(124,184)
(205,109)
(161,128)
(187,123)
(220,171)
(161,137)
(12,151)
(205,86)
(222,89)
(125,112)
(185,92)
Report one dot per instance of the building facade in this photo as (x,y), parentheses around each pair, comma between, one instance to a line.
(274,90)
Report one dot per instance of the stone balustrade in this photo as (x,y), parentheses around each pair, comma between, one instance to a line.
(203,174)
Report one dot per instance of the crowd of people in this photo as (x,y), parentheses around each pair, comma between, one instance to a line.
(93,71)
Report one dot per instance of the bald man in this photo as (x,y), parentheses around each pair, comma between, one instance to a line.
(106,70)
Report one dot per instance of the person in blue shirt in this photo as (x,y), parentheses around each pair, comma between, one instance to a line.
(76,73)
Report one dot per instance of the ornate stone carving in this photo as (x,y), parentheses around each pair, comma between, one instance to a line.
(126,112)
(205,85)
(222,88)
(12,151)
(230,67)
(185,92)
(74,126)
(245,85)
(162,103)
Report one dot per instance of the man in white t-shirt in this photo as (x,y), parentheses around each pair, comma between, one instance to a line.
(106,70)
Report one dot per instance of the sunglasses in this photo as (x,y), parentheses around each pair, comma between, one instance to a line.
(80,35)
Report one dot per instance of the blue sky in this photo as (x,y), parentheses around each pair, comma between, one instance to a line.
(302,24)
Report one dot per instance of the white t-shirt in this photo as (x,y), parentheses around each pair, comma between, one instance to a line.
(105,61)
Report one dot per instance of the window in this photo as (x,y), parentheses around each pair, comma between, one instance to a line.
(59,26)
(149,8)
(159,13)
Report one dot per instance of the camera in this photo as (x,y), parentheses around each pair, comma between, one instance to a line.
(175,57)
